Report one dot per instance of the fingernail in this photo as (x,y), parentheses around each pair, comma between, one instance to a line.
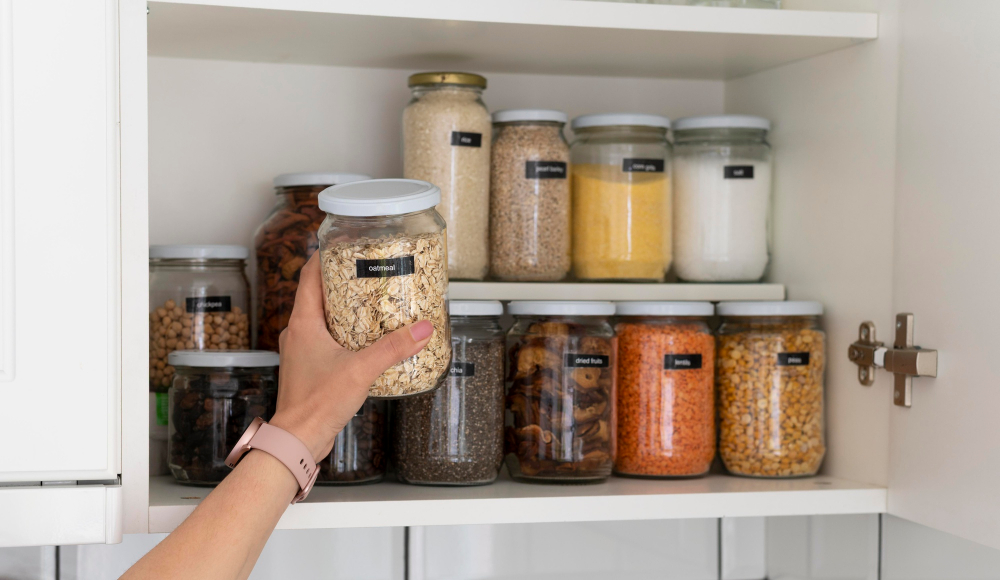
(421,330)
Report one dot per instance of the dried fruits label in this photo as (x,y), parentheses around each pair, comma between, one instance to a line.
(209,304)
(793,359)
(597,361)
(385,268)
(737,172)
(679,362)
(545,170)
(161,408)
(642,165)
(462,139)
(462,369)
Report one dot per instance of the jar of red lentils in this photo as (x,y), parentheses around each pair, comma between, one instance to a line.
(666,404)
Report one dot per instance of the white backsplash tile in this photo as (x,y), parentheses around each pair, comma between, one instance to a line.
(914,552)
(31,563)
(841,547)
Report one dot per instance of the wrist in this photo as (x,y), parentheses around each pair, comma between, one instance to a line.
(305,432)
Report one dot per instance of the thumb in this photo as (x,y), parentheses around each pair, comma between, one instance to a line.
(395,347)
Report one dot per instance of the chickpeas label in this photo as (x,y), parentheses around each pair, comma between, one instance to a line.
(643,165)
(460,139)
(793,359)
(544,170)
(680,362)
(385,268)
(594,361)
(462,369)
(208,304)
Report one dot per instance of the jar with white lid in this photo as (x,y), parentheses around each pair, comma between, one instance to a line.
(621,197)
(722,198)
(446,141)
(560,391)
(213,398)
(769,379)
(384,263)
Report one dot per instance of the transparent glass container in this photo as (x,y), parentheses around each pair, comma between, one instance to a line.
(560,391)
(666,394)
(359,451)
(454,435)
(769,378)
(621,208)
(214,397)
(529,196)
(446,141)
(722,198)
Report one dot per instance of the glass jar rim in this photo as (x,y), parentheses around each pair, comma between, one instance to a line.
(527,115)
(560,308)
(770,308)
(223,358)
(658,308)
(722,122)
(446,78)
(198,252)
(379,197)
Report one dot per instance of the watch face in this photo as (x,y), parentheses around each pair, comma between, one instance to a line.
(241,446)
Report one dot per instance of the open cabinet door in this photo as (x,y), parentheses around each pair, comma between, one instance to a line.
(945,449)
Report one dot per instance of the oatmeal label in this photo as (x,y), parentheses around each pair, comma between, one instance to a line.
(597,361)
(642,165)
(793,359)
(208,304)
(387,268)
(460,139)
(462,369)
(545,170)
(681,362)
(737,172)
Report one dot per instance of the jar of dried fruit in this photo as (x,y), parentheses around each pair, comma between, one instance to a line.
(666,404)
(769,378)
(560,391)
(384,265)
(283,243)
(359,450)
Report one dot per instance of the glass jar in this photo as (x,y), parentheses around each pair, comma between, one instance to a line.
(736,3)
(769,378)
(621,197)
(384,265)
(722,198)
(560,394)
(359,451)
(446,141)
(666,396)
(283,243)
(529,196)
(214,397)
(454,436)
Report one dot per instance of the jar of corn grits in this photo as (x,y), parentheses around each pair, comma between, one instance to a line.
(666,397)
(769,378)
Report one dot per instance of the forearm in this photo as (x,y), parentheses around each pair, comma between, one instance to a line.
(226,533)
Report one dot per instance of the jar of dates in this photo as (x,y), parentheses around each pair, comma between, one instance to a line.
(359,451)
(560,391)
(214,397)
(283,243)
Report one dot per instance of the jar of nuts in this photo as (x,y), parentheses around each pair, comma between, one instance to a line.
(769,378)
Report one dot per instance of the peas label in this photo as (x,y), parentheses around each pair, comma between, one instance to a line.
(386,268)
(545,170)
(793,359)
(679,362)
(208,304)
(642,165)
(737,172)
(462,369)
(598,361)
(460,139)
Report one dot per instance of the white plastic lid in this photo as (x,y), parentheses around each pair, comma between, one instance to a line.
(196,252)
(317,178)
(561,308)
(790,308)
(664,308)
(223,358)
(722,122)
(617,119)
(376,197)
(475,308)
(511,115)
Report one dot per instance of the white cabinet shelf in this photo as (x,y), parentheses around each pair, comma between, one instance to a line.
(567,37)
(588,291)
(506,501)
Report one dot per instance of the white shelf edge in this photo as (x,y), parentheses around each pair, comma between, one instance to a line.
(589,291)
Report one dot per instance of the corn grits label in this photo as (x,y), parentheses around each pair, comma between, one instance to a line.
(387,268)
(737,172)
(461,139)
(544,170)
(630,165)
(462,369)
(793,359)
(680,362)
(208,304)
(597,361)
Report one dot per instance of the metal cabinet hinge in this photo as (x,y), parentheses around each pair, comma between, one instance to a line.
(903,360)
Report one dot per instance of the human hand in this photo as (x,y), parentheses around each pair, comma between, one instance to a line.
(321,385)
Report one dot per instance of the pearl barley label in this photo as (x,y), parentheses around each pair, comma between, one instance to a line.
(598,361)
(544,170)
(386,268)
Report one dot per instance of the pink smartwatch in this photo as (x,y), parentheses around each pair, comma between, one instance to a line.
(284,447)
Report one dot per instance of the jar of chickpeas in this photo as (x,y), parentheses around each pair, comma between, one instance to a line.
(769,377)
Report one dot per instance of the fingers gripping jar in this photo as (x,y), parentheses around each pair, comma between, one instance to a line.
(769,378)
(384,265)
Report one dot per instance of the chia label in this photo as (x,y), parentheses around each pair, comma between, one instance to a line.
(460,139)
(737,172)
(642,165)
(681,362)
(793,359)
(208,304)
(387,268)
(545,170)
(596,361)
(462,369)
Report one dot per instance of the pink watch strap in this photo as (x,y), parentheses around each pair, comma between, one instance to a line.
(284,447)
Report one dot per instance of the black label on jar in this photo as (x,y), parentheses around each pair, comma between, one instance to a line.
(208,304)
(642,165)
(387,268)
(545,170)
(462,369)
(793,359)
(737,172)
(460,139)
(681,362)
(597,361)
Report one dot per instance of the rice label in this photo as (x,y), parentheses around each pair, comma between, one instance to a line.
(680,362)
(737,172)
(385,268)
(462,369)
(793,359)
(208,304)
(460,139)
(597,361)
(642,165)
(545,170)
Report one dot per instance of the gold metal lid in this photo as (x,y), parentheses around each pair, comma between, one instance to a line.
(446,78)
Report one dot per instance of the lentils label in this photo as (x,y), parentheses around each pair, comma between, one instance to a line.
(681,362)
(460,139)
(385,268)
(591,361)
(545,170)
(642,165)
(208,304)
(793,359)
(462,369)
(737,172)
